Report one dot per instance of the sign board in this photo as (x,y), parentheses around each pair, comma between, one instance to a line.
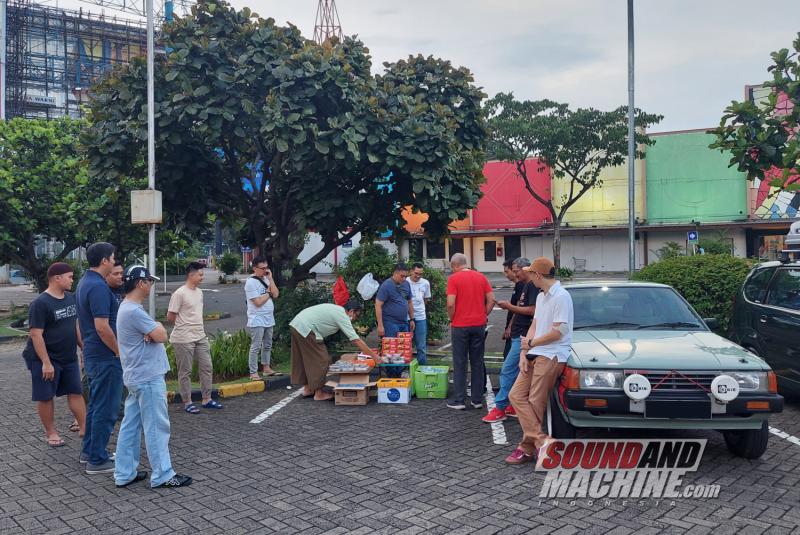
(692,236)
(247,249)
(347,245)
(40,100)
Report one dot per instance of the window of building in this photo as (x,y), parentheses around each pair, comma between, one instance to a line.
(490,251)
(456,246)
(415,249)
(435,249)
(513,247)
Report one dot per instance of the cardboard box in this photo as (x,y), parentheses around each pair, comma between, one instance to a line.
(351,388)
(394,391)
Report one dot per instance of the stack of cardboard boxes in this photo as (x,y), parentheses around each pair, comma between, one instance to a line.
(353,385)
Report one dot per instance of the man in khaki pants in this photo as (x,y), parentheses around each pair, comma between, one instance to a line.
(189,339)
(542,356)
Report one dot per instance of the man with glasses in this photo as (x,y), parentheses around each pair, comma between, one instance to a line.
(393,304)
(260,291)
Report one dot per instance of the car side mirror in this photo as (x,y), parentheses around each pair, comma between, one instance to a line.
(712,323)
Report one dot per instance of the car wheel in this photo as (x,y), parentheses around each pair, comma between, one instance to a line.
(561,427)
(748,443)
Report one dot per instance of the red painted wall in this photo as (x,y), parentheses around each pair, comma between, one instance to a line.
(506,203)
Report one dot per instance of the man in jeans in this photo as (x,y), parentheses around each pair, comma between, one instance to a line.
(521,317)
(261,291)
(508,271)
(420,295)
(469,302)
(97,313)
(544,352)
(189,339)
(144,363)
(393,305)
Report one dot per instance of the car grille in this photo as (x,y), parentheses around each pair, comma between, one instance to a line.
(678,381)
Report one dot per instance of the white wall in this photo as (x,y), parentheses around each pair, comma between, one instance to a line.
(314,245)
(656,240)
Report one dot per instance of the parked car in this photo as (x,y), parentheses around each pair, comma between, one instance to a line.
(643,358)
(766,314)
(18,276)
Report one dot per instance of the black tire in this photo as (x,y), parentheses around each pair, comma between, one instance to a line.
(748,443)
(561,427)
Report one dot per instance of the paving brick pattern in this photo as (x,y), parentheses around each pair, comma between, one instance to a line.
(316,468)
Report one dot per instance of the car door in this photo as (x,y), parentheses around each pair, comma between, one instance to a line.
(748,308)
(779,325)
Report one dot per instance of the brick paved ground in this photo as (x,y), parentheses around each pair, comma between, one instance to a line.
(316,468)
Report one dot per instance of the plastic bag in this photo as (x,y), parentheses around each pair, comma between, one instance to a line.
(368,287)
(340,293)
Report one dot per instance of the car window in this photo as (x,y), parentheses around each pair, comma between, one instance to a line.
(784,291)
(631,307)
(755,288)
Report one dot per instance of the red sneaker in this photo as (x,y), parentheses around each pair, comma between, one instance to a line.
(511,411)
(518,456)
(495,415)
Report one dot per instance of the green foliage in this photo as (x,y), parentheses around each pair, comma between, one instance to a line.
(341,150)
(564,273)
(44,192)
(671,249)
(293,300)
(708,282)
(229,354)
(575,145)
(229,263)
(719,243)
(438,322)
(762,136)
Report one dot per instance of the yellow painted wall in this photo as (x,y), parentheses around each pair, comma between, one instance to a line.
(605,205)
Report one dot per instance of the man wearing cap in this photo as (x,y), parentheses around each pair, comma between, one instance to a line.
(310,358)
(185,311)
(144,363)
(469,302)
(543,354)
(51,352)
(97,317)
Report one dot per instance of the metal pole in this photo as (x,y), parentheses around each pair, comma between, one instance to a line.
(151,146)
(2,60)
(631,148)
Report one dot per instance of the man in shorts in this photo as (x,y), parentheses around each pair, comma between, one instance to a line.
(51,353)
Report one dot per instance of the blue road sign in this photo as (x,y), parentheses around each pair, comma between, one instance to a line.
(692,236)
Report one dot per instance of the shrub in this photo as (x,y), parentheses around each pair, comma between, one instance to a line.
(709,282)
(229,263)
(229,353)
(671,249)
(564,273)
(291,301)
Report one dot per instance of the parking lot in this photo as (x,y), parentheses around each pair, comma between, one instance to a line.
(314,467)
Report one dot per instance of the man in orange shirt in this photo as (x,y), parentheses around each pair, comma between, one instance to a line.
(469,302)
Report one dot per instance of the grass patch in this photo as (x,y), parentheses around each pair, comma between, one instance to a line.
(6,330)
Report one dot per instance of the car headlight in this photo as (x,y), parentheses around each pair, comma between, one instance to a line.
(750,381)
(601,379)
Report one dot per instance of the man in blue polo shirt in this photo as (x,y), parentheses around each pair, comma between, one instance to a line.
(97,315)
(393,305)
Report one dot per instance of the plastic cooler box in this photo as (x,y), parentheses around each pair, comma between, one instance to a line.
(431,382)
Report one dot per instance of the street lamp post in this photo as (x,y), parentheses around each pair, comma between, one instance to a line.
(631,148)
(151,147)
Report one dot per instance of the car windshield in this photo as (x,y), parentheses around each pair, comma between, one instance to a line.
(632,307)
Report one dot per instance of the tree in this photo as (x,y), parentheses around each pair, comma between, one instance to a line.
(762,136)
(575,145)
(44,192)
(257,123)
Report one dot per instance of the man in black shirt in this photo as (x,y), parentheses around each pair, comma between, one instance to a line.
(521,314)
(51,353)
(508,271)
(114,280)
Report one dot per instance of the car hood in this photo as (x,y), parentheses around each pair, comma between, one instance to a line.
(659,350)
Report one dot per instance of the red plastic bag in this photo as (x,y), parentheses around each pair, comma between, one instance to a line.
(340,293)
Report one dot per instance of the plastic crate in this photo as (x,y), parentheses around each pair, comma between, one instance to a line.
(431,382)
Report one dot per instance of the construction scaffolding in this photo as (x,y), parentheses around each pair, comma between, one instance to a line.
(54,55)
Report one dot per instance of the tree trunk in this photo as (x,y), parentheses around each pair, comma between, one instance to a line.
(557,243)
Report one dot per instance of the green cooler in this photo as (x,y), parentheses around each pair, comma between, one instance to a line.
(431,382)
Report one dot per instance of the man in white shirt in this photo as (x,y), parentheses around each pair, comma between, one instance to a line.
(543,354)
(261,291)
(420,295)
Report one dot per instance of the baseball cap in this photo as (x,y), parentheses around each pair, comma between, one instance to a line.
(138,272)
(543,266)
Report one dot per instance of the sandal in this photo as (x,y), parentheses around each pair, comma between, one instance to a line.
(191,408)
(213,404)
(273,374)
(55,442)
(255,377)
(74,427)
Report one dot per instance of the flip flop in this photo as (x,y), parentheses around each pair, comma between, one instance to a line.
(213,404)
(74,427)
(192,409)
(55,442)
(275,374)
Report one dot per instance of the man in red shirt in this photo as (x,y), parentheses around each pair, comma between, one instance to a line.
(469,302)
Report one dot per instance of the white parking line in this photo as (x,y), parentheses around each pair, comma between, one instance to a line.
(791,438)
(498,431)
(275,408)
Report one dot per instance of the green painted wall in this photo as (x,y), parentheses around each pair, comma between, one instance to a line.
(686,180)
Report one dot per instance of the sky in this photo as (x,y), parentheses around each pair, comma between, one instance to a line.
(692,56)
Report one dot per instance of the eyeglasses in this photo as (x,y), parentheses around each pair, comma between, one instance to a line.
(261,267)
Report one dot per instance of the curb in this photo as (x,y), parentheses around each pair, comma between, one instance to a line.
(235,389)
(13,337)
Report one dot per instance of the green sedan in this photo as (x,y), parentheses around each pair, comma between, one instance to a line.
(643,358)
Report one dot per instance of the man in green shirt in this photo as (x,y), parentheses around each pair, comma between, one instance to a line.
(310,358)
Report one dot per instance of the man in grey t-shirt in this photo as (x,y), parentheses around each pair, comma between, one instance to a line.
(144,363)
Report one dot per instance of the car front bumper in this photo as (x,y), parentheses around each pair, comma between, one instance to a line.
(618,411)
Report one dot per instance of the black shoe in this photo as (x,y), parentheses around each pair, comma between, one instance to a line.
(458,405)
(177,480)
(140,475)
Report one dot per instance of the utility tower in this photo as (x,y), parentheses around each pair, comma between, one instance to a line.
(327,24)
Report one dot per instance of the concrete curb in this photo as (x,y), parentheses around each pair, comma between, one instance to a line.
(235,389)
